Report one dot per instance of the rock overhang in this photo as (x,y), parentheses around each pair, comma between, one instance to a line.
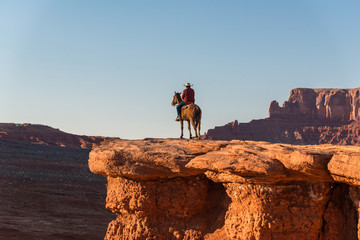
(224,161)
(185,189)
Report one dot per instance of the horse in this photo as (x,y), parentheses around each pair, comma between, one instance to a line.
(190,113)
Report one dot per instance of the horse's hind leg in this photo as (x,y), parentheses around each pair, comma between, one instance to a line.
(198,125)
(194,126)
(189,128)
(182,128)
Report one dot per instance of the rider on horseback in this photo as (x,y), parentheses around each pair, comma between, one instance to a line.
(187,96)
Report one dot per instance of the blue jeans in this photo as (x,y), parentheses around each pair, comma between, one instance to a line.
(178,108)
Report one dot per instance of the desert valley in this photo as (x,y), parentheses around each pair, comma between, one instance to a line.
(47,191)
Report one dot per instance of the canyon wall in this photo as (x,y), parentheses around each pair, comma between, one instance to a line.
(172,189)
(310,116)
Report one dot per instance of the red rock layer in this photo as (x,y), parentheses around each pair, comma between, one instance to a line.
(171,189)
(310,116)
(321,104)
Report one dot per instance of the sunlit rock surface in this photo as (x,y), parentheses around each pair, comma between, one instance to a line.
(172,189)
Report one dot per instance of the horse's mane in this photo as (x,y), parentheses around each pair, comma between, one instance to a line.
(178,96)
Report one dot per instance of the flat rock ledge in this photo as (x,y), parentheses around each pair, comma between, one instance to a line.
(184,189)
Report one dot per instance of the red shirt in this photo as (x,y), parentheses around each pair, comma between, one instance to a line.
(188,95)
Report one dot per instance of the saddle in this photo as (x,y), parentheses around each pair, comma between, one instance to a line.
(186,106)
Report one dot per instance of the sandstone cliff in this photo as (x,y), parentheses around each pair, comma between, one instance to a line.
(42,134)
(310,116)
(339,105)
(172,189)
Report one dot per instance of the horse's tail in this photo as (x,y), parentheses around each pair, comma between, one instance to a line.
(199,114)
(198,118)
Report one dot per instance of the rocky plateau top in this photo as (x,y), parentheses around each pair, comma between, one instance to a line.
(183,189)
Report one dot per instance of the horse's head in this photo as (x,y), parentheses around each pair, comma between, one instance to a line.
(176,99)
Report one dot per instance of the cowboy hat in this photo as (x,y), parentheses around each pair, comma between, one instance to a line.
(188,85)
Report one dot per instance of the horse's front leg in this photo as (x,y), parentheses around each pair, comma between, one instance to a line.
(189,129)
(182,128)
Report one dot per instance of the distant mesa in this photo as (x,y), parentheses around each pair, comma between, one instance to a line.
(42,134)
(309,116)
(334,105)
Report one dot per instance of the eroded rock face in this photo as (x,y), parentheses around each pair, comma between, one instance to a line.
(275,212)
(309,116)
(163,209)
(340,218)
(171,189)
(355,197)
(320,104)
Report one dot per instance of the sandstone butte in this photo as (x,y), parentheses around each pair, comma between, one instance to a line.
(185,189)
(309,116)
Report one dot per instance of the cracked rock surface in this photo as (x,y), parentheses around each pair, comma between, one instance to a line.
(183,189)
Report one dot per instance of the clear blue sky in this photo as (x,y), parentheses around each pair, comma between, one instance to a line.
(110,68)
